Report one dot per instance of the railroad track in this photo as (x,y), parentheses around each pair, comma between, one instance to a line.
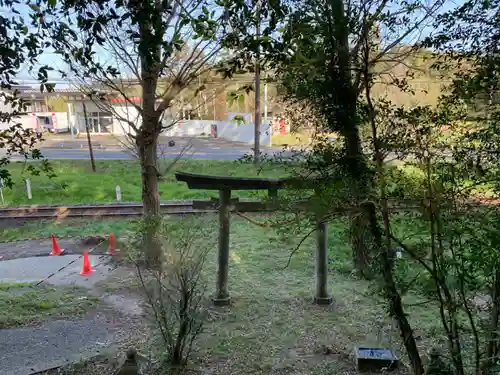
(122,210)
(168,208)
(110,210)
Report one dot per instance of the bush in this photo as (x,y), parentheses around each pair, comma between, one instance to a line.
(175,292)
(405,182)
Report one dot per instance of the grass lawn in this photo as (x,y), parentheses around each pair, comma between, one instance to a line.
(272,326)
(22,304)
(84,186)
(296,139)
(75,183)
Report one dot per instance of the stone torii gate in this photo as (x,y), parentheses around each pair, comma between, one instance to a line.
(227,184)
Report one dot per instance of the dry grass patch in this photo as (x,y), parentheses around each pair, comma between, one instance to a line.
(273,327)
(22,304)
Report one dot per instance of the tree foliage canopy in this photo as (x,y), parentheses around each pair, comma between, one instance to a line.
(20,48)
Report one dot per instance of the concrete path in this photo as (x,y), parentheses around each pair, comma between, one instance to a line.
(42,247)
(34,269)
(24,351)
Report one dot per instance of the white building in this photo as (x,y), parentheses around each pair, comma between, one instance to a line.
(111,117)
(115,114)
(37,113)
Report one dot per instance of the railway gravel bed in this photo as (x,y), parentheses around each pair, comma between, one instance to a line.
(73,211)
(119,210)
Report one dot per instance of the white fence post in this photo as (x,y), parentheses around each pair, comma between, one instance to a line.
(1,190)
(118,193)
(28,188)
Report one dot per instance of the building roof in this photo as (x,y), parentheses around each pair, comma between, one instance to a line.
(54,92)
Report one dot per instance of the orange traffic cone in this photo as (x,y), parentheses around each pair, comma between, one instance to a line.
(56,250)
(87,268)
(112,245)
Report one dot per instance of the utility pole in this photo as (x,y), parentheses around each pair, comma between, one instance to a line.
(256,147)
(213,101)
(91,151)
(266,120)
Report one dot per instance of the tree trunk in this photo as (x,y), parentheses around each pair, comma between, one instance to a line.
(493,339)
(256,145)
(149,174)
(363,245)
(391,292)
(347,122)
(355,165)
(147,144)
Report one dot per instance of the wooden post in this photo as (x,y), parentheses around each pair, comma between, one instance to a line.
(322,297)
(222,297)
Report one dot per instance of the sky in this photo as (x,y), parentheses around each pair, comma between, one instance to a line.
(52,59)
(47,58)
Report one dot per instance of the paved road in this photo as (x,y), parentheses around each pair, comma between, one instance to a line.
(54,154)
(110,148)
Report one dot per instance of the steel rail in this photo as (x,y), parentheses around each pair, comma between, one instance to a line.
(110,210)
(170,208)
